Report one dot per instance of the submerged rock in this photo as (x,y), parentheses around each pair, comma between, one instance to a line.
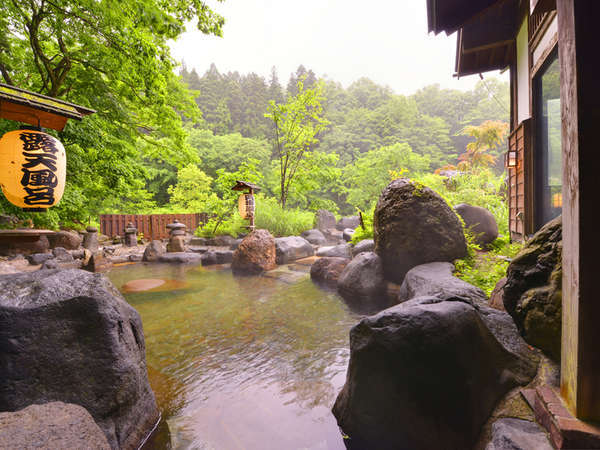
(533,289)
(291,248)
(327,270)
(480,221)
(144,284)
(413,225)
(436,279)
(68,335)
(427,372)
(255,254)
(54,425)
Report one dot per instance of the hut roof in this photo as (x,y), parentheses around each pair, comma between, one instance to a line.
(36,109)
(243,185)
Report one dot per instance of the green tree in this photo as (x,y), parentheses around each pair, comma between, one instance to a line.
(297,124)
(193,192)
(364,180)
(490,135)
(113,57)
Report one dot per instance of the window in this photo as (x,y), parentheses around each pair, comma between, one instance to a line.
(548,156)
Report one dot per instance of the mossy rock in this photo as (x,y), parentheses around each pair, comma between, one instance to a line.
(413,225)
(533,290)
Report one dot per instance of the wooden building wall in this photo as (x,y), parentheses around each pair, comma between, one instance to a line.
(520,208)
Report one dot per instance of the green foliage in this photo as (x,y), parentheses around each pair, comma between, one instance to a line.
(489,136)
(485,269)
(297,123)
(227,151)
(364,180)
(233,226)
(279,221)
(483,189)
(192,193)
(366,232)
(115,59)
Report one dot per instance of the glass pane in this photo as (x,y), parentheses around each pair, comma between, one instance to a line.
(548,149)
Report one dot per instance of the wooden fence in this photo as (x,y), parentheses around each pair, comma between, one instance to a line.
(153,226)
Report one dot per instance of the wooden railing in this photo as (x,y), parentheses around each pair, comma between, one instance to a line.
(153,226)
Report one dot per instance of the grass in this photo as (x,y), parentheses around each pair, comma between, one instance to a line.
(485,268)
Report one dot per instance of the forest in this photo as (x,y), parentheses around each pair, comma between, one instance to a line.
(168,139)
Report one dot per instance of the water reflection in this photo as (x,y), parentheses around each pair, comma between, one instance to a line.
(243,362)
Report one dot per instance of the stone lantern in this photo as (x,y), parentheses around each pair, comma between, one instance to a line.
(130,235)
(90,239)
(176,237)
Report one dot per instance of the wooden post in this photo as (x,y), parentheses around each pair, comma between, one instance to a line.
(580,104)
(252,227)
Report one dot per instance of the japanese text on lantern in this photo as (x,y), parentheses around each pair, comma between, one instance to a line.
(39,168)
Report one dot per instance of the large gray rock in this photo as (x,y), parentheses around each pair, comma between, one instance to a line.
(533,289)
(366,245)
(436,280)
(224,256)
(324,220)
(66,239)
(235,244)
(69,336)
(348,222)
(200,241)
(256,254)
(347,234)
(39,258)
(362,284)
(53,425)
(291,248)
(517,434)
(336,251)
(314,236)
(426,374)
(328,270)
(62,255)
(480,221)
(413,225)
(154,250)
(181,258)
(220,241)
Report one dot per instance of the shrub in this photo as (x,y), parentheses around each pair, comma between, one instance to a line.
(366,232)
(485,269)
(279,221)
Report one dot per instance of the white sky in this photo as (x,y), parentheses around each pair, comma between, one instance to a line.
(384,40)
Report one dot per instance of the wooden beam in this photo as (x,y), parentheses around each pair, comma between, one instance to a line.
(580,97)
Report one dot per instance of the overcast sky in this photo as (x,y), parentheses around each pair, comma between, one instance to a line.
(344,40)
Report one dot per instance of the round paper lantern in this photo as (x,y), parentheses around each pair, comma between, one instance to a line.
(246,206)
(32,168)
